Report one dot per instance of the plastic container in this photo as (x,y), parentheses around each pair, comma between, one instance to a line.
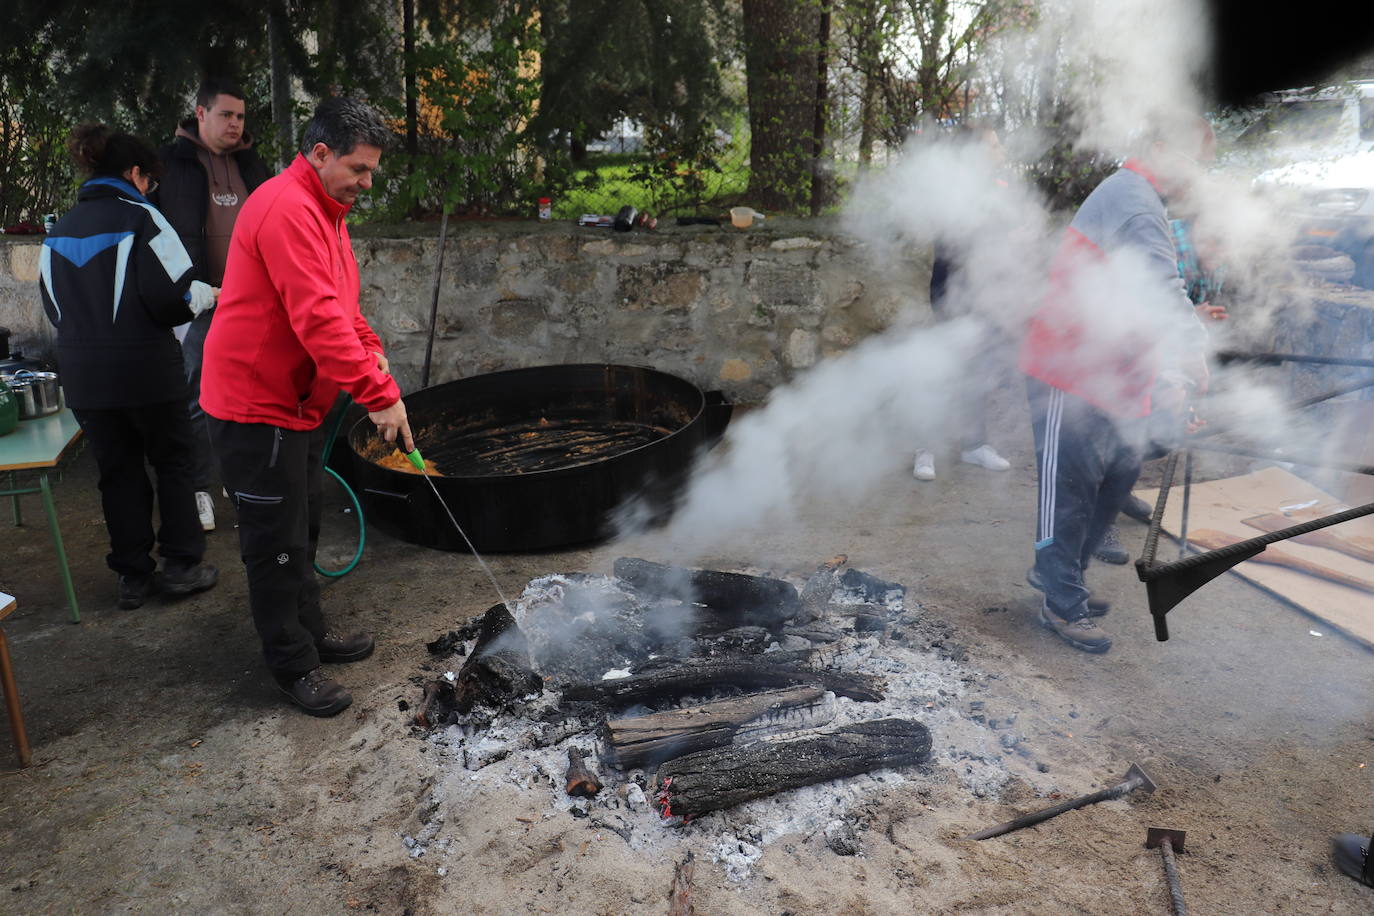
(741,217)
(546,208)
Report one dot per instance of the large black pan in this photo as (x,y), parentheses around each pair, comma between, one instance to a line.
(536,458)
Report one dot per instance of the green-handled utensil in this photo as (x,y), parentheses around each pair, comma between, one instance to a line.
(419,462)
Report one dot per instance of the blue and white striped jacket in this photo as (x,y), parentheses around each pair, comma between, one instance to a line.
(114,276)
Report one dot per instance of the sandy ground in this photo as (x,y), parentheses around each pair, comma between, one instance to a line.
(169,777)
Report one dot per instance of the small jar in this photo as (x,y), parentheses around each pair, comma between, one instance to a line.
(546,208)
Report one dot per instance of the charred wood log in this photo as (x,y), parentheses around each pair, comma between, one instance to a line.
(437,706)
(706,676)
(581,780)
(680,895)
(727,776)
(646,741)
(747,600)
(499,670)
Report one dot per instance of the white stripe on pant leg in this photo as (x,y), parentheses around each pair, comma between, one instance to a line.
(1049,480)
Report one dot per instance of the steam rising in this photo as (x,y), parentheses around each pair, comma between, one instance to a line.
(853,420)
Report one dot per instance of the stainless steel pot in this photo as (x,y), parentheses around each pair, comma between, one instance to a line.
(36,392)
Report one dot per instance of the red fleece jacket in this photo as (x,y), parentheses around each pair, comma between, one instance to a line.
(288,334)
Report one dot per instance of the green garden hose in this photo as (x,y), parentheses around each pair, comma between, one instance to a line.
(357,507)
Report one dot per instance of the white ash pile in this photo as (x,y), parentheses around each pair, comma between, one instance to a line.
(658,695)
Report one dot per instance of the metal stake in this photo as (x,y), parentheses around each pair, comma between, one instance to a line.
(1169,842)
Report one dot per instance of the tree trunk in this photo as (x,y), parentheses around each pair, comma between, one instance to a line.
(728,776)
(820,175)
(280,76)
(412,92)
(780,62)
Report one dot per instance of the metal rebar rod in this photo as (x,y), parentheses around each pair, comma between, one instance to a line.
(1147,557)
(1210,431)
(1166,850)
(1187,498)
(1274,455)
(1044,814)
(1249,546)
(1237,356)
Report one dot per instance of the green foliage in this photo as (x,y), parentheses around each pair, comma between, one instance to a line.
(36,174)
(476,154)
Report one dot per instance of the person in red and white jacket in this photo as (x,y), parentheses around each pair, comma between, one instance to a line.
(1115,333)
(287,337)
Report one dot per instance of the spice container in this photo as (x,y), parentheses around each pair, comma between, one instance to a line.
(546,208)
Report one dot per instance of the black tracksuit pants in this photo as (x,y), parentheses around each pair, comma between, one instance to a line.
(125,441)
(1088,462)
(274,478)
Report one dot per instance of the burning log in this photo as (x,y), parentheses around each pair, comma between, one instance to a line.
(581,780)
(706,676)
(649,740)
(743,600)
(727,776)
(499,669)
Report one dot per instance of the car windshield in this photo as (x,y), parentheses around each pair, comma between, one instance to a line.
(1314,121)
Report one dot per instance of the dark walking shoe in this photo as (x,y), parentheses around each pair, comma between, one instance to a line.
(1097,607)
(189,580)
(1081,633)
(1351,852)
(1137,509)
(353,647)
(1110,550)
(315,692)
(134,590)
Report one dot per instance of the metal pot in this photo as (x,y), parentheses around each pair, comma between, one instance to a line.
(36,393)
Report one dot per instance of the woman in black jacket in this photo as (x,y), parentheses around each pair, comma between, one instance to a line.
(115,280)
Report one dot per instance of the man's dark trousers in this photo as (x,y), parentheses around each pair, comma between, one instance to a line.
(193,351)
(1088,462)
(274,477)
(123,439)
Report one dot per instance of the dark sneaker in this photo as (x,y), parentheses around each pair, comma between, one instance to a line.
(1081,633)
(1110,550)
(353,647)
(1137,509)
(1097,607)
(134,590)
(316,693)
(189,580)
(1351,852)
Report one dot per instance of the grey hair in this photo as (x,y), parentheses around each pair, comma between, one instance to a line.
(342,123)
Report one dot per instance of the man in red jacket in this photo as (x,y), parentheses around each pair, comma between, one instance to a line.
(1115,339)
(288,335)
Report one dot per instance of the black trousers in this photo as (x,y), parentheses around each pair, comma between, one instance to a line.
(274,478)
(125,441)
(1088,462)
(193,351)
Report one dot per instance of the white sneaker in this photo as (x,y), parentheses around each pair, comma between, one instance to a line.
(924,468)
(205,508)
(985,456)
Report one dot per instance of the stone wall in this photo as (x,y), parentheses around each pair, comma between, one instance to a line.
(737,310)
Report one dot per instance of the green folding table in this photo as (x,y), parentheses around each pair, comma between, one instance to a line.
(32,451)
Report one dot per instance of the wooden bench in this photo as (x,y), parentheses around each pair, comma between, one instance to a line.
(11,691)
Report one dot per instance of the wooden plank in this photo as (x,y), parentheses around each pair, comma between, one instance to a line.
(1223,505)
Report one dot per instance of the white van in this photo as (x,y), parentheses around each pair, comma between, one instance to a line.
(1325,142)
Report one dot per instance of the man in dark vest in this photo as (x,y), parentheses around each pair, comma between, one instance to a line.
(208,171)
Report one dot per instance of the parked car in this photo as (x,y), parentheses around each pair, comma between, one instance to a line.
(1325,142)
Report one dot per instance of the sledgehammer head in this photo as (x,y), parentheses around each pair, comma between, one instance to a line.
(1146,784)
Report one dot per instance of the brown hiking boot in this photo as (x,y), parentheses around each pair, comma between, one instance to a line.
(352,647)
(1082,633)
(1097,607)
(315,692)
